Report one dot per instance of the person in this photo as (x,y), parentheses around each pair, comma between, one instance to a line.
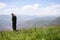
(14,19)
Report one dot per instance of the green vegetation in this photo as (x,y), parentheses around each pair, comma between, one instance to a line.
(43,33)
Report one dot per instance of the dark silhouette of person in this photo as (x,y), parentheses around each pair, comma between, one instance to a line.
(14,19)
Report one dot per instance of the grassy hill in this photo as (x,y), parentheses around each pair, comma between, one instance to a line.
(43,33)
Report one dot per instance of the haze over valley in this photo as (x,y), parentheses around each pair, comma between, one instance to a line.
(28,21)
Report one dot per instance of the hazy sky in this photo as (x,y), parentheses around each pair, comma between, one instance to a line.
(30,7)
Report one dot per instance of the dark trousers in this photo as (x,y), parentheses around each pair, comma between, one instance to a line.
(14,25)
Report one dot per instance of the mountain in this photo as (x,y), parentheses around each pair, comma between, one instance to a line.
(55,21)
(6,23)
(37,22)
(27,21)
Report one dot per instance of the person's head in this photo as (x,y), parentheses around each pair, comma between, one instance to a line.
(12,14)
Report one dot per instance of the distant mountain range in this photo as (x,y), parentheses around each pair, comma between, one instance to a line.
(56,21)
(28,21)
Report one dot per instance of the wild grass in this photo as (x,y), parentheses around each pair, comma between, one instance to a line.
(42,33)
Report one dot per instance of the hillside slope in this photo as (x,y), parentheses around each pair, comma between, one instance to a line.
(47,33)
(55,21)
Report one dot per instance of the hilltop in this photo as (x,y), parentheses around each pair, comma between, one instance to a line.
(43,33)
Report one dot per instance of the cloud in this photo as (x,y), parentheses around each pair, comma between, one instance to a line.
(2,5)
(35,9)
(30,7)
(52,10)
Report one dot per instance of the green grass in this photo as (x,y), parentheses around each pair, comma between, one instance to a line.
(43,33)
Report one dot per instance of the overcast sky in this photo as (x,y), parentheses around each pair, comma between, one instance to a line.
(30,7)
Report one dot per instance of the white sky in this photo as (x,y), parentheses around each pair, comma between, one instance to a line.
(30,9)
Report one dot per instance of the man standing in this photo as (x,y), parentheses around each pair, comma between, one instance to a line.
(14,19)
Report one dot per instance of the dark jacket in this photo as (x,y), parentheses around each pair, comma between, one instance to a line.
(14,18)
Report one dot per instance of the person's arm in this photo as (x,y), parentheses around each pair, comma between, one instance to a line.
(12,18)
